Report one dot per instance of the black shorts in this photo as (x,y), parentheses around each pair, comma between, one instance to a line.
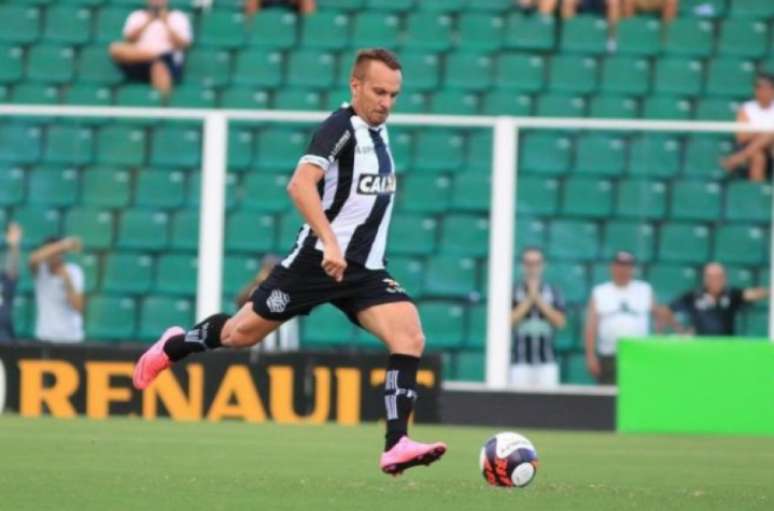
(140,72)
(293,291)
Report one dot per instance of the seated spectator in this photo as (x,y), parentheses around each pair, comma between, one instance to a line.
(755,149)
(666,8)
(8,279)
(58,292)
(544,7)
(712,309)
(152,50)
(538,311)
(302,6)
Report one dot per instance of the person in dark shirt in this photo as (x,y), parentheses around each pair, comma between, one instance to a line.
(8,279)
(712,309)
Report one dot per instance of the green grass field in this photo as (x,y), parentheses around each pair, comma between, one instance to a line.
(130,464)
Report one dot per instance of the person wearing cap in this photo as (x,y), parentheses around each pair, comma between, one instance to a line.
(619,308)
(712,309)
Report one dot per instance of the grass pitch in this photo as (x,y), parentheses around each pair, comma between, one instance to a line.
(130,464)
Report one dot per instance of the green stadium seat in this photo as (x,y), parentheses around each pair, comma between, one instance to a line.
(50,64)
(25,28)
(194,194)
(93,226)
(326,30)
(20,143)
(273,29)
(245,97)
(96,67)
(106,187)
(450,276)
(176,274)
(666,108)
(23,323)
(428,31)
(412,234)
(143,230)
(69,144)
(38,224)
(237,271)
(575,372)
(327,326)
(401,144)
(573,74)
(469,71)
(560,105)
(530,32)
(408,271)
(740,276)
(583,197)
(176,146)
(475,337)
(348,5)
(455,102)
(208,68)
(469,366)
(752,8)
(654,155)
(625,75)
(159,189)
(53,186)
(280,148)
(640,199)
(730,77)
(570,278)
(684,243)
(11,64)
(680,76)
(636,238)
(443,324)
(258,68)
(390,5)
(613,107)
(311,68)
(689,37)
(241,141)
(573,240)
(520,72)
(127,274)
(415,189)
(110,318)
(639,36)
(537,196)
(185,230)
(193,96)
(746,201)
(35,93)
(471,192)
(707,8)
(530,232)
(465,235)
(90,264)
(157,313)
(265,193)
(5,93)
(506,103)
(110,24)
(443,5)
(479,151)
(584,34)
(545,153)
(135,94)
(600,154)
(222,29)
(66,24)
(743,38)
(741,244)
(412,102)
(88,95)
(250,232)
(422,70)
(703,154)
(432,142)
(671,280)
(714,109)
(695,200)
(375,29)
(480,31)
(12,186)
(569,338)
(755,323)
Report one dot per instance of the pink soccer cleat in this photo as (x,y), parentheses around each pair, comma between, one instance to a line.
(154,360)
(407,453)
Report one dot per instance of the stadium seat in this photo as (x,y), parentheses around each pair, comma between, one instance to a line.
(52,186)
(746,201)
(96,67)
(88,95)
(176,146)
(127,273)
(640,199)
(159,189)
(414,190)
(468,70)
(730,77)
(703,154)
(600,154)
(245,97)
(142,230)
(195,190)
(481,31)
(265,193)
(241,142)
(573,74)
(158,312)
(590,198)
(755,324)
(106,187)
(679,76)
(176,274)
(412,234)
(250,232)
(69,145)
(11,64)
(625,75)
(443,324)
(422,70)
(604,106)
(326,326)
(408,271)
(545,153)
(208,68)
(222,29)
(23,316)
(689,37)
(193,96)
(575,372)
(469,366)
(121,145)
(39,223)
(570,278)
(375,29)
(740,276)
(326,30)
(25,28)
(67,24)
(714,109)
(12,186)
(93,226)
(50,64)
(471,192)
(35,93)
(530,232)
(348,5)
(760,9)
(412,102)
(639,36)
(432,142)
(258,68)
(743,38)
(428,31)
(280,148)
(475,337)
(671,280)
(185,230)
(110,22)
(450,276)
(666,108)
(530,32)
(273,29)
(479,151)
(709,8)
(684,243)
(401,144)
(634,237)
(110,318)
(311,68)
(465,235)
(573,240)
(90,264)
(537,196)
(519,72)
(237,271)
(455,102)
(443,5)
(695,200)
(135,94)
(741,244)
(290,225)
(390,5)
(20,143)
(654,155)
(584,34)
(561,105)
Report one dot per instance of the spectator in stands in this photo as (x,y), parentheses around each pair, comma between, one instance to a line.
(8,279)
(666,8)
(302,6)
(755,149)
(619,308)
(712,309)
(58,291)
(152,50)
(544,7)
(538,311)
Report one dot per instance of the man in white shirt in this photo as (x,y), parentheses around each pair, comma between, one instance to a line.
(58,292)
(154,41)
(619,308)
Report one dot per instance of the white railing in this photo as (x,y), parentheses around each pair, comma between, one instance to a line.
(502,213)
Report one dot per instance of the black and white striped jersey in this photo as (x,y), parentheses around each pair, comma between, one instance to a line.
(357,191)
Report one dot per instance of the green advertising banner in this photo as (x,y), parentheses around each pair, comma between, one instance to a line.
(707,386)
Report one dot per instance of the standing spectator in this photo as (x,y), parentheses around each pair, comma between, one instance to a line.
(8,279)
(667,8)
(58,292)
(538,311)
(152,50)
(619,308)
(755,149)
(712,309)
(302,6)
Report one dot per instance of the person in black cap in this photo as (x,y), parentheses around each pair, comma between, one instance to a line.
(712,309)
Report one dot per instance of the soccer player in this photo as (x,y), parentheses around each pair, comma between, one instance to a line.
(344,187)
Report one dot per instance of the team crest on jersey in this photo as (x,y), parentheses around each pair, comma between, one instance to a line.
(393,286)
(375,184)
(277,301)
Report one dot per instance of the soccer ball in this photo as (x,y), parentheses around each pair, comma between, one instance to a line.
(508,459)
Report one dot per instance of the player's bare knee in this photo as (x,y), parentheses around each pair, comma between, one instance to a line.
(410,343)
